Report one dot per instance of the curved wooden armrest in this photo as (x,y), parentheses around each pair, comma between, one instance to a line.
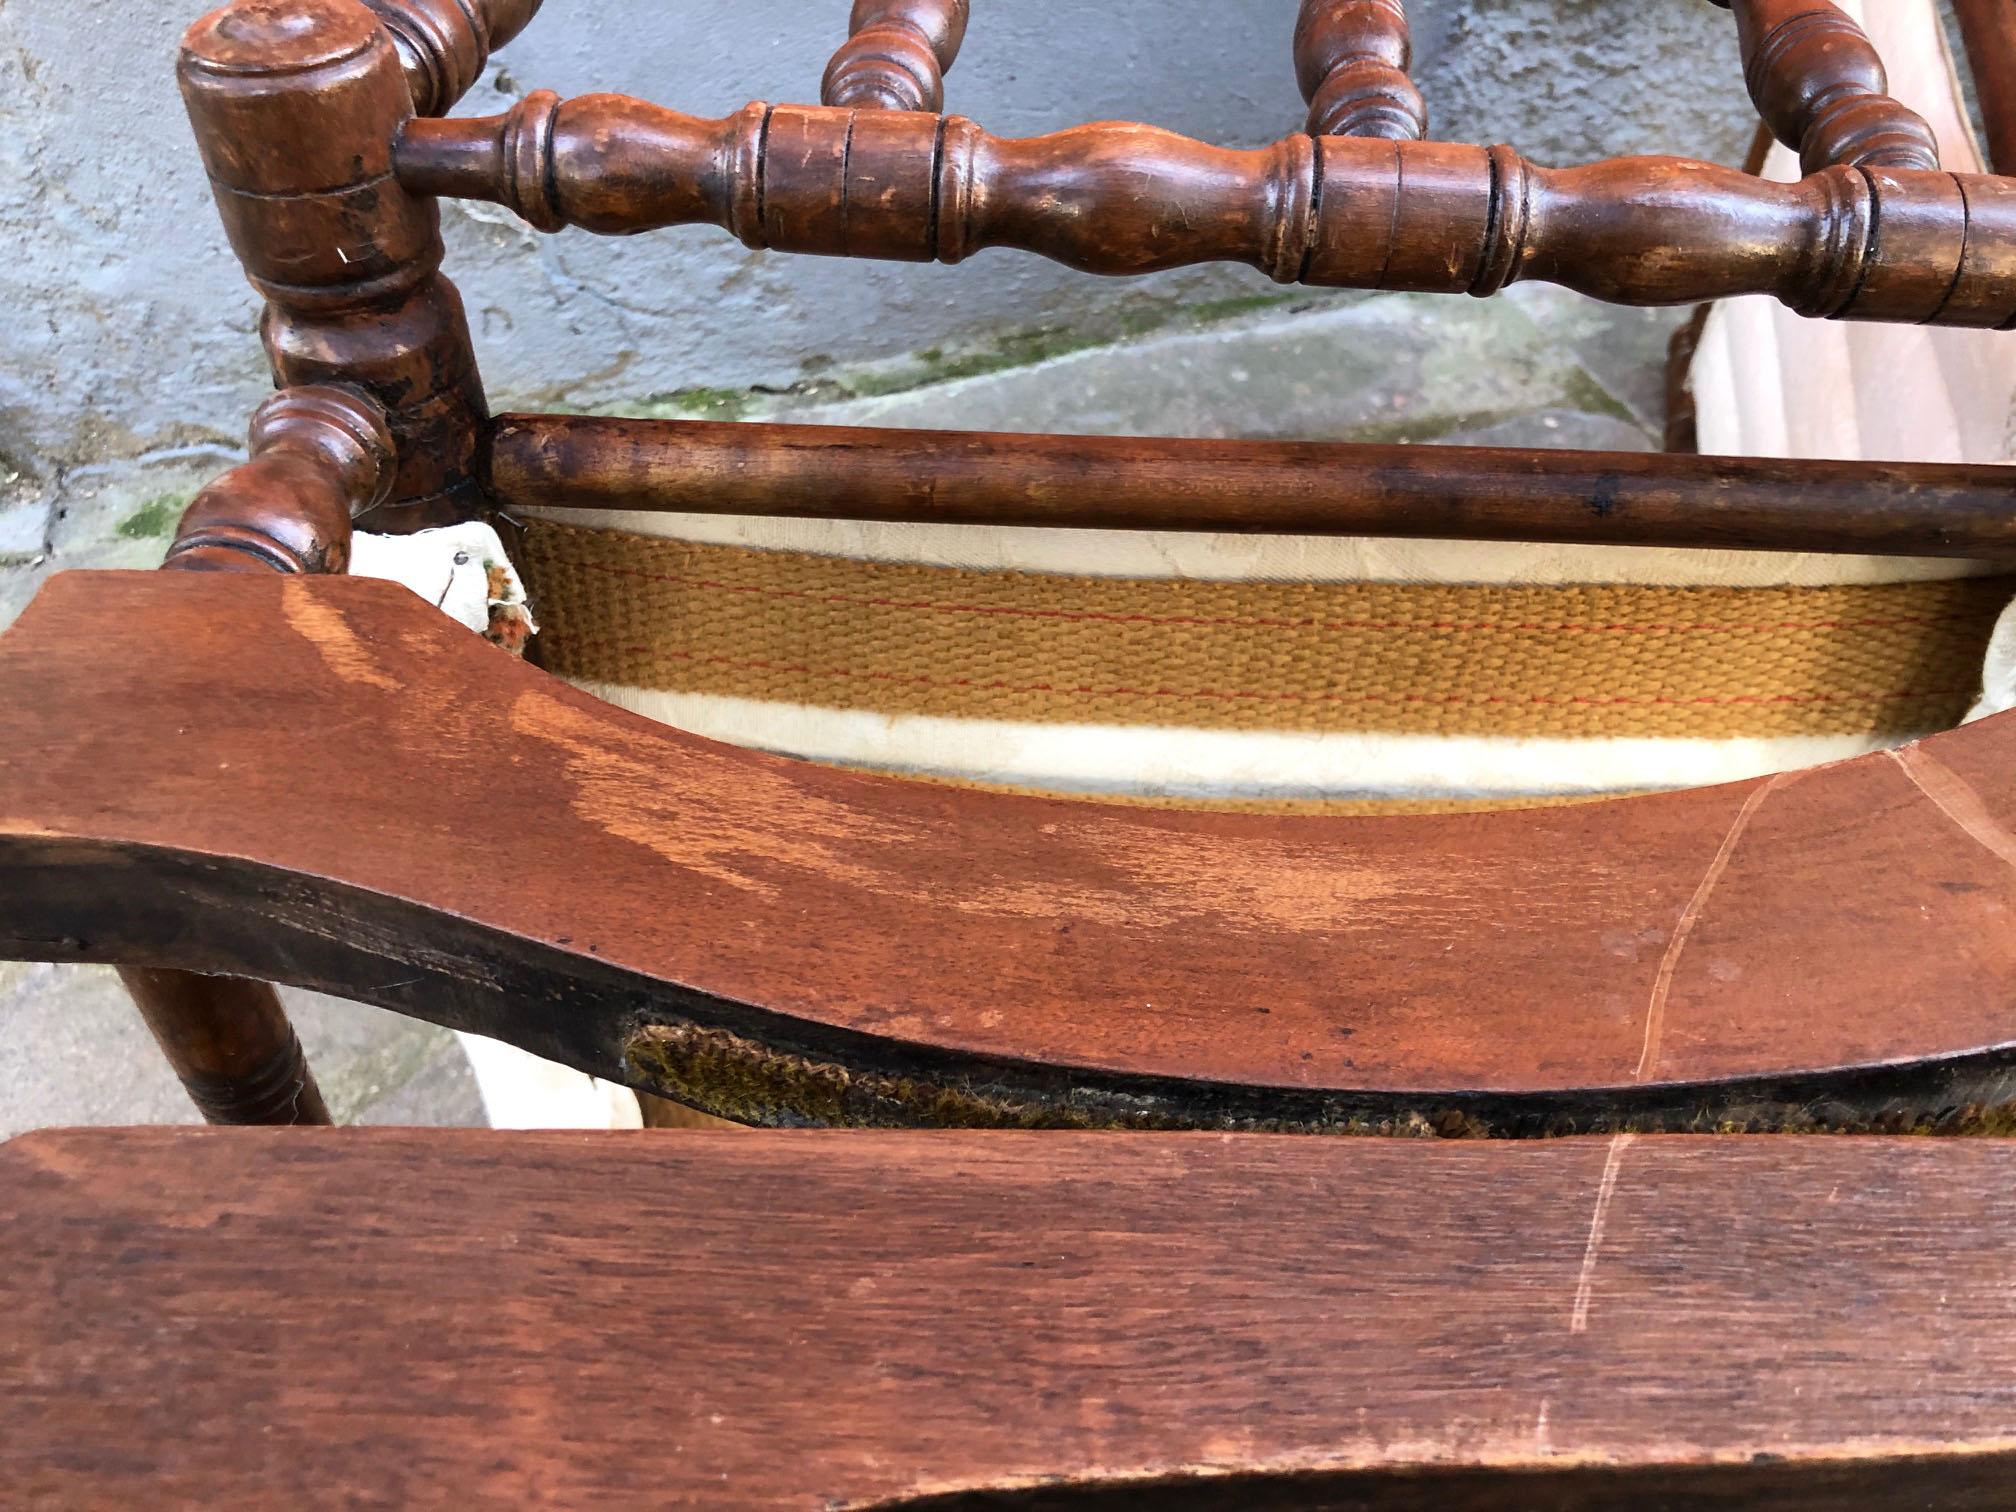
(1090,1322)
(326,782)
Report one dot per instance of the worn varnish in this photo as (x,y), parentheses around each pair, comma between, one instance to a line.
(443,44)
(454,1318)
(319,456)
(230,1043)
(295,104)
(773,940)
(1351,59)
(1119,198)
(1305,488)
(1818,83)
(895,55)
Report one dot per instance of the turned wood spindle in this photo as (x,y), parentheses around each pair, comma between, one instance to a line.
(1124,199)
(295,104)
(1351,59)
(229,1041)
(443,44)
(896,55)
(1988,33)
(319,456)
(1818,83)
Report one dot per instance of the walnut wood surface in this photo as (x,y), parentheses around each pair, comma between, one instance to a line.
(319,455)
(1988,32)
(1819,84)
(443,44)
(1351,59)
(775,940)
(895,55)
(230,1043)
(295,104)
(804,1320)
(1354,213)
(1313,488)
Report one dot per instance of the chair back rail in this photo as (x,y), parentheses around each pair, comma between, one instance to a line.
(1120,198)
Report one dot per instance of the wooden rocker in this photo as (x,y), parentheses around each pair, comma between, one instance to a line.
(255,767)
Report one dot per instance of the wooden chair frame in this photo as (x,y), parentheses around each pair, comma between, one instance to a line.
(780,942)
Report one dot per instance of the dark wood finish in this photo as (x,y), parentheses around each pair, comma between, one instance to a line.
(443,44)
(456,1318)
(1351,59)
(1124,199)
(775,940)
(1309,488)
(1819,85)
(319,455)
(896,55)
(295,104)
(230,1043)
(1988,33)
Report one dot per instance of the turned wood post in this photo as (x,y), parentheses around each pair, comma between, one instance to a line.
(295,104)
(1818,83)
(443,44)
(318,456)
(229,1041)
(1351,59)
(895,55)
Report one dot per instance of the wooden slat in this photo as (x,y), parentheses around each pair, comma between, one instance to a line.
(423,1318)
(328,783)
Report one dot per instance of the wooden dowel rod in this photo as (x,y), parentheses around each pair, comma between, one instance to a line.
(1334,212)
(1988,33)
(229,1041)
(1298,488)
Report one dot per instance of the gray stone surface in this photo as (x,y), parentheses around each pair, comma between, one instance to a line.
(72,1051)
(125,329)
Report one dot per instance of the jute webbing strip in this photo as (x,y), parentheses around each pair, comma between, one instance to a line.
(1566,661)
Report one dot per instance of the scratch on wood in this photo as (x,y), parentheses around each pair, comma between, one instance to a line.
(1952,795)
(1669,963)
(1578,1319)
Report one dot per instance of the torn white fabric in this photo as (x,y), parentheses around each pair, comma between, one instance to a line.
(462,570)
(521,1091)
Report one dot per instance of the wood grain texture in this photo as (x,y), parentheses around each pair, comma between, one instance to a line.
(443,44)
(230,1043)
(294,105)
(1988,33)
(1351,59)
(773,941)
(1307,488)
(318,456)
(1818,83)
(446,1317)
(1120,198)
(895,55)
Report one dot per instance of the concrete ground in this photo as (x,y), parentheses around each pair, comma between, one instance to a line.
(1534,367)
